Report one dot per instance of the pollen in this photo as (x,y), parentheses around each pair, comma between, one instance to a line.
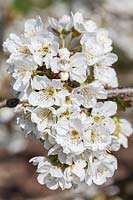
(65,114)
(100,170)
(97,119)
(45,50)
(50,91)
(93,136)
(26,51)
(74,134)
(67,100)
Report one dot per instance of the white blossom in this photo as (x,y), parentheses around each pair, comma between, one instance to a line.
(44,118)
(74,66)
(103,67)
(21,71)
(69,136)
(87,95)
(102,37)
(64,23)
(95,45)
(82,25)
(49,174)
(101,114)
(48,92)
(122,131)
(72,174)
(61,76)
(17,47)
(78,72)
(96,137)
(43,47)
(33,27)
(24,121)
(100,167)
(92,48)
(109,79)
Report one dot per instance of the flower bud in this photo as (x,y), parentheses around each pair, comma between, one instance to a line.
(64,76)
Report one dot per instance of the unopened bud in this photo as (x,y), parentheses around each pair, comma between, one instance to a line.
(11,103)
(64,76)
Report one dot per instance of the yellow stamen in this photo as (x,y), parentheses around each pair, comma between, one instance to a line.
(74,134)
(93,136)
(50,91)
(45,50)
(67,100)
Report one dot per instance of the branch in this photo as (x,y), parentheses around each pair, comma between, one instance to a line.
(116,92)
(120,92)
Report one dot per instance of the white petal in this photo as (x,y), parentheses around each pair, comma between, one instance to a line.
(108,60)
(108,108)
(40,179)
(40,82)
(56,84)
(40,99)
(106,75)
(53,185)
(78,75)
(33,26)
(125,127)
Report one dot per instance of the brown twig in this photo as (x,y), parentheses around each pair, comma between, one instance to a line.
(120,92)
(115,92)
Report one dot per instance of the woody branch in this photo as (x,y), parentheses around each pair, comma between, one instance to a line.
(115,92)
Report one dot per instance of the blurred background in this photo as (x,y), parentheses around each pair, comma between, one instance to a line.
(17,176)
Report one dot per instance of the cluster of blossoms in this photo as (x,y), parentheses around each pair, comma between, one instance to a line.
(62,77)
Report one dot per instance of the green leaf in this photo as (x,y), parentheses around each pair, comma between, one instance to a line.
(122,103)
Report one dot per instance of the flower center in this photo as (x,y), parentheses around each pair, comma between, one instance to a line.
(45,50)
(67,100)
(26,51)
(65,114)
(21,73)
(93,136)
(74,134)
(100,170)
(64,61)
(97,119)
(50,91)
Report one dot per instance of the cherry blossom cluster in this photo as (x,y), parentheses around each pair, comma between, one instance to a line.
(62,75)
